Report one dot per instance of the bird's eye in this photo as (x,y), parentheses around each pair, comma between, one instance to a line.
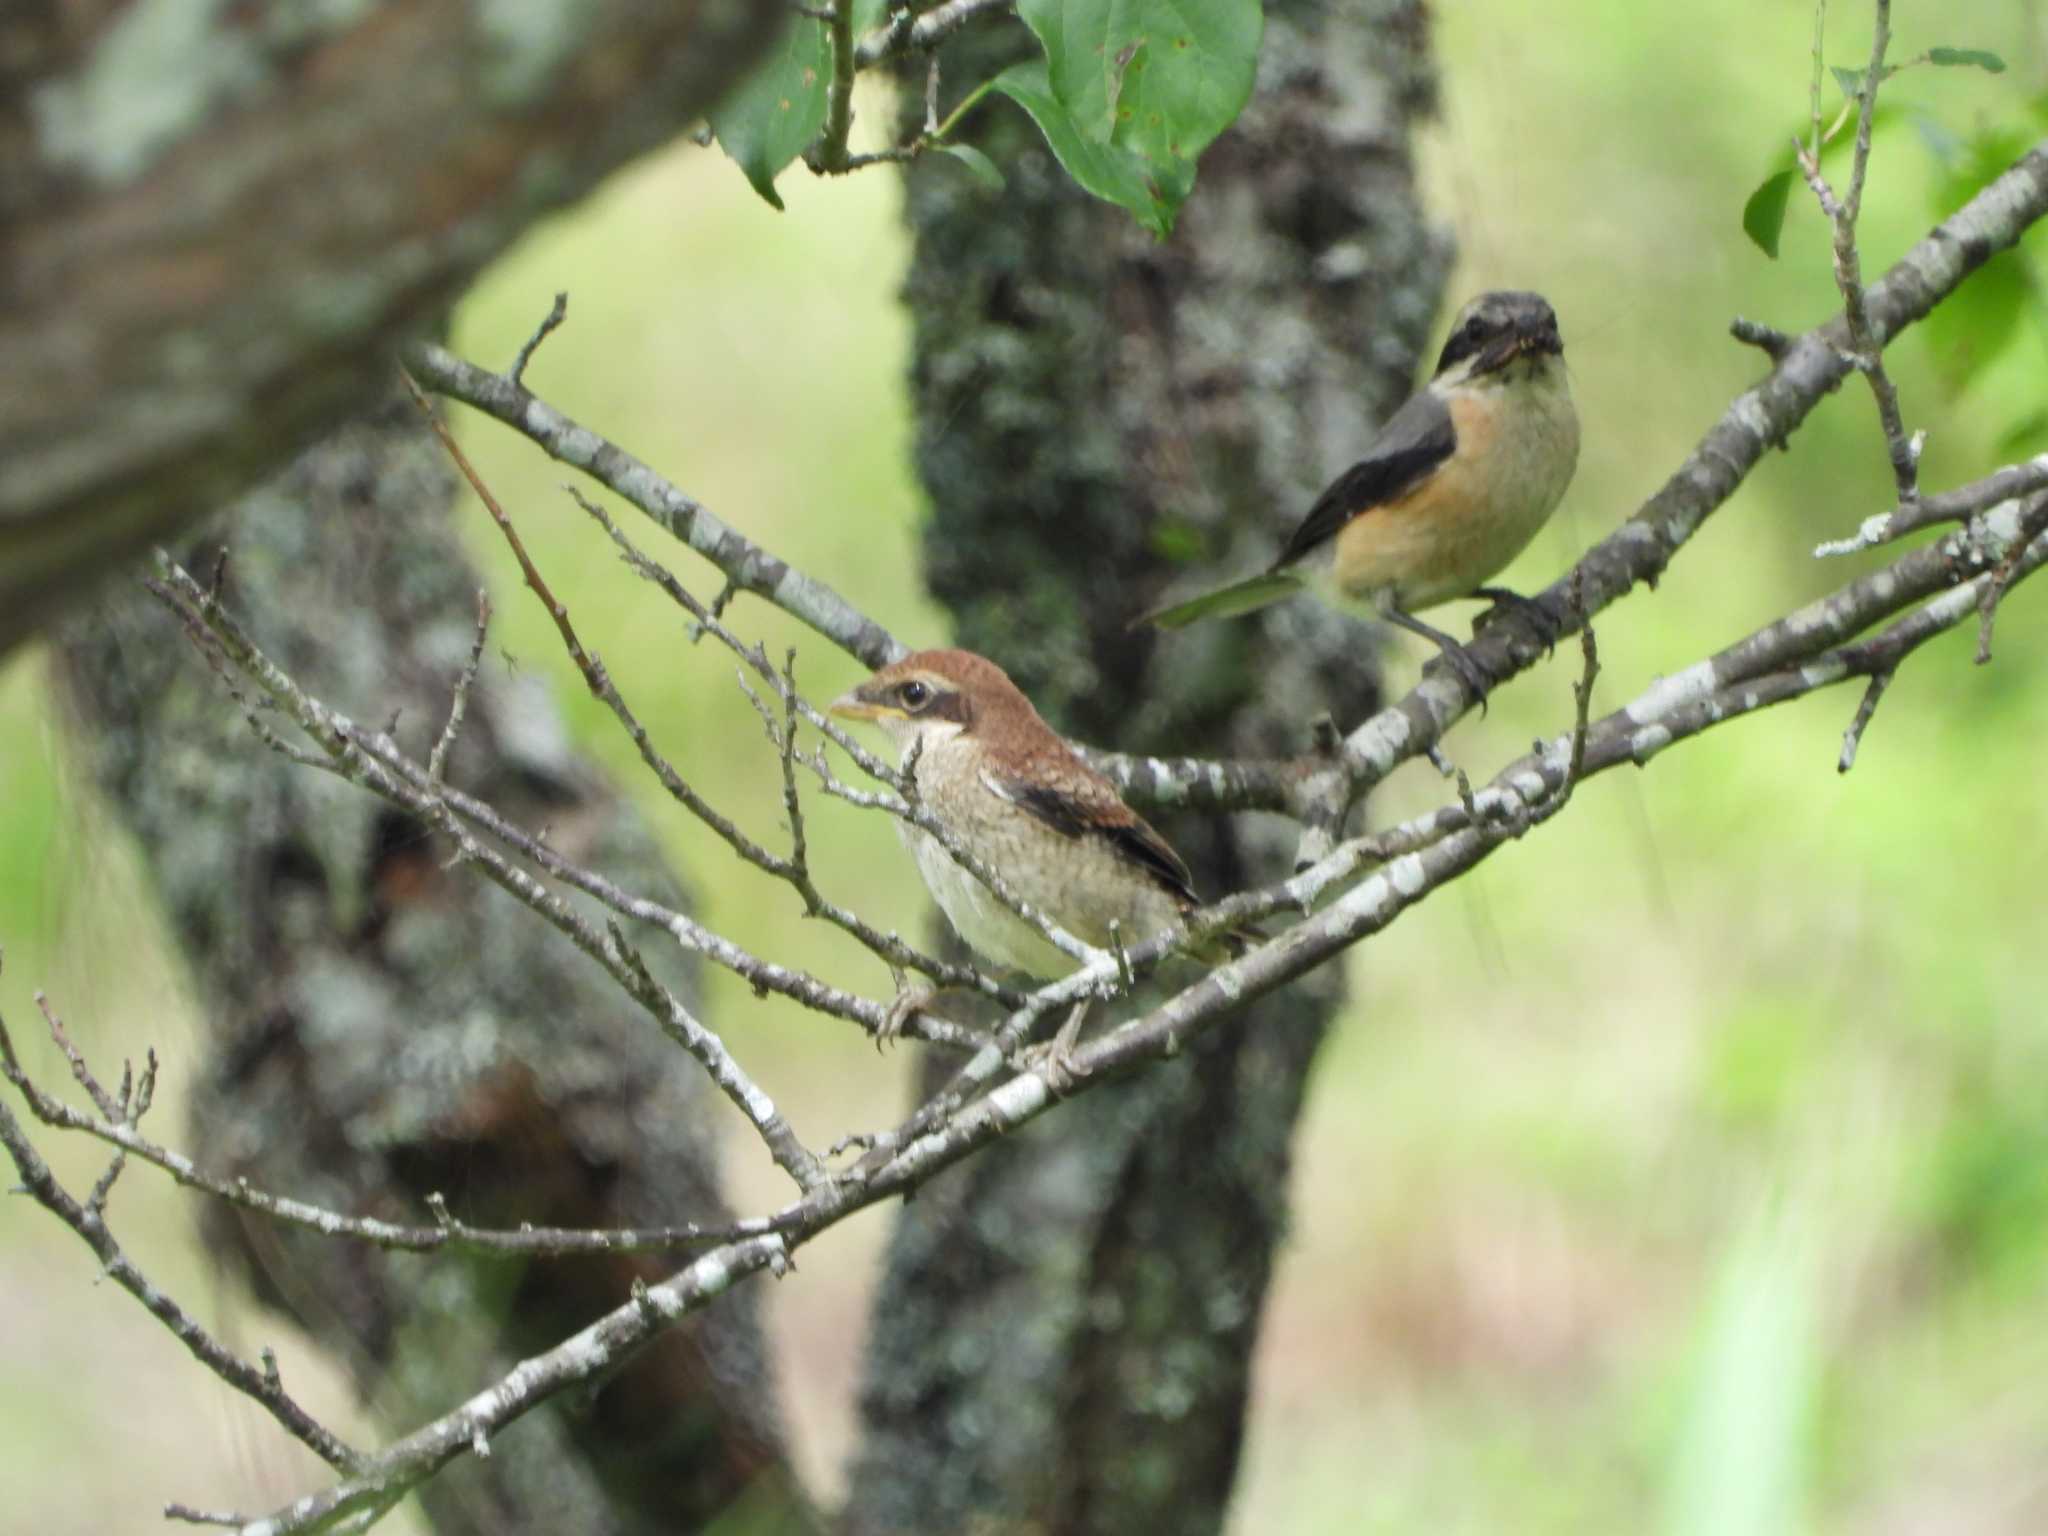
(915,695)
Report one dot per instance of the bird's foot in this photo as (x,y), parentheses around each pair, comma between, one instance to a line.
(1477,680)
(1539,618)
(1055,1057)
(911,1000)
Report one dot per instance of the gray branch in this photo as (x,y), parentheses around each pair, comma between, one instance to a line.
(1320,788)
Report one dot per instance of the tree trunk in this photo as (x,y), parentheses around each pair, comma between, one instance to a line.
(1064,1335)
(384,1028)
(217,221)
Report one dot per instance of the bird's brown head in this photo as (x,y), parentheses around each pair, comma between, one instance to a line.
(1496,328)
(939,694)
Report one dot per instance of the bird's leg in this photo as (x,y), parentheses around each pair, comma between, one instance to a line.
(1462,661)
(1540,618)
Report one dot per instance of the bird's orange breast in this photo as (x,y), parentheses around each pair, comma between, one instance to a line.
(1516,447)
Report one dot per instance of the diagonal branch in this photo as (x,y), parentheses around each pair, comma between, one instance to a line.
(89,1223)
(1316,788)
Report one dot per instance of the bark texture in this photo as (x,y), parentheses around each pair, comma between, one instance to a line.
(1064,1337)
(384,1027)
(198,271)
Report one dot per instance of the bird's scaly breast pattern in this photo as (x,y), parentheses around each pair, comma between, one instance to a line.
(1080,882)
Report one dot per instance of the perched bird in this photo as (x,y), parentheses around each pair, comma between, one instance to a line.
(1453,487)
(1056,831)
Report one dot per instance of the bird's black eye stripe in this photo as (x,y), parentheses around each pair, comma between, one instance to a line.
(914,694)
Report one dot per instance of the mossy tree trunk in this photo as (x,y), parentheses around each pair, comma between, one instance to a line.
(383,1027)
(1064,1336)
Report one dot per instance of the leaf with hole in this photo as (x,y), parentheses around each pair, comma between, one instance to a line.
(771,116)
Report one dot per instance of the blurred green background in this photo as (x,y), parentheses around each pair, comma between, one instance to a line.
(1685,1169)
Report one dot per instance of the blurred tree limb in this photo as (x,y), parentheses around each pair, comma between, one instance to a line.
(216,222)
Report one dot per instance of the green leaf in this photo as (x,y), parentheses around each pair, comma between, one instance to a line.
(870,14)
(773,114)
(1851,80)
(984,169)
(1109,171)
(1763,216)
(1979,58)
(2023,436)
(1157,78)
(1981,320)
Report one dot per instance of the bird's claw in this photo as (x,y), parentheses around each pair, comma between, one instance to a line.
(1055,1058)
(909,1002)
(1475,677)
(1505,602)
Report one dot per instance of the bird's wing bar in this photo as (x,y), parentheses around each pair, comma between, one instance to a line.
(1090,807)
(1412,446)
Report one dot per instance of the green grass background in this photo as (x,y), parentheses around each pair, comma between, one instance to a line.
(1685,1169)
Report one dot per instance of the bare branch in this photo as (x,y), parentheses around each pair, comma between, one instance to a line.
(1954,506)
(557,313)
(525,1241)
(913,31)
(385,1478)
(341,741)
(89,1225)
(437,760)
(1852,738)
(1317,789)
(1866,347)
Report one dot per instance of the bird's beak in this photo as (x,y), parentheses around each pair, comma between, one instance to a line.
(851,706)
(1521,344)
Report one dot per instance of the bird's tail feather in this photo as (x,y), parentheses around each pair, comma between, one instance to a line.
(1245,596)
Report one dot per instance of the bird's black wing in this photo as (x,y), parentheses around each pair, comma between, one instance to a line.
(1416,440)
(1089,806)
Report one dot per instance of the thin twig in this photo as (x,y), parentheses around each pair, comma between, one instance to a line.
(525,1241)
(1774,342)
(902,779)
(1319,790)
(1852,738)
(830,157)
(557,313)
(1866,349)
(913,31)
(437,760)
(43,1188)
(2032,520)
(340,740)
(2022,479)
